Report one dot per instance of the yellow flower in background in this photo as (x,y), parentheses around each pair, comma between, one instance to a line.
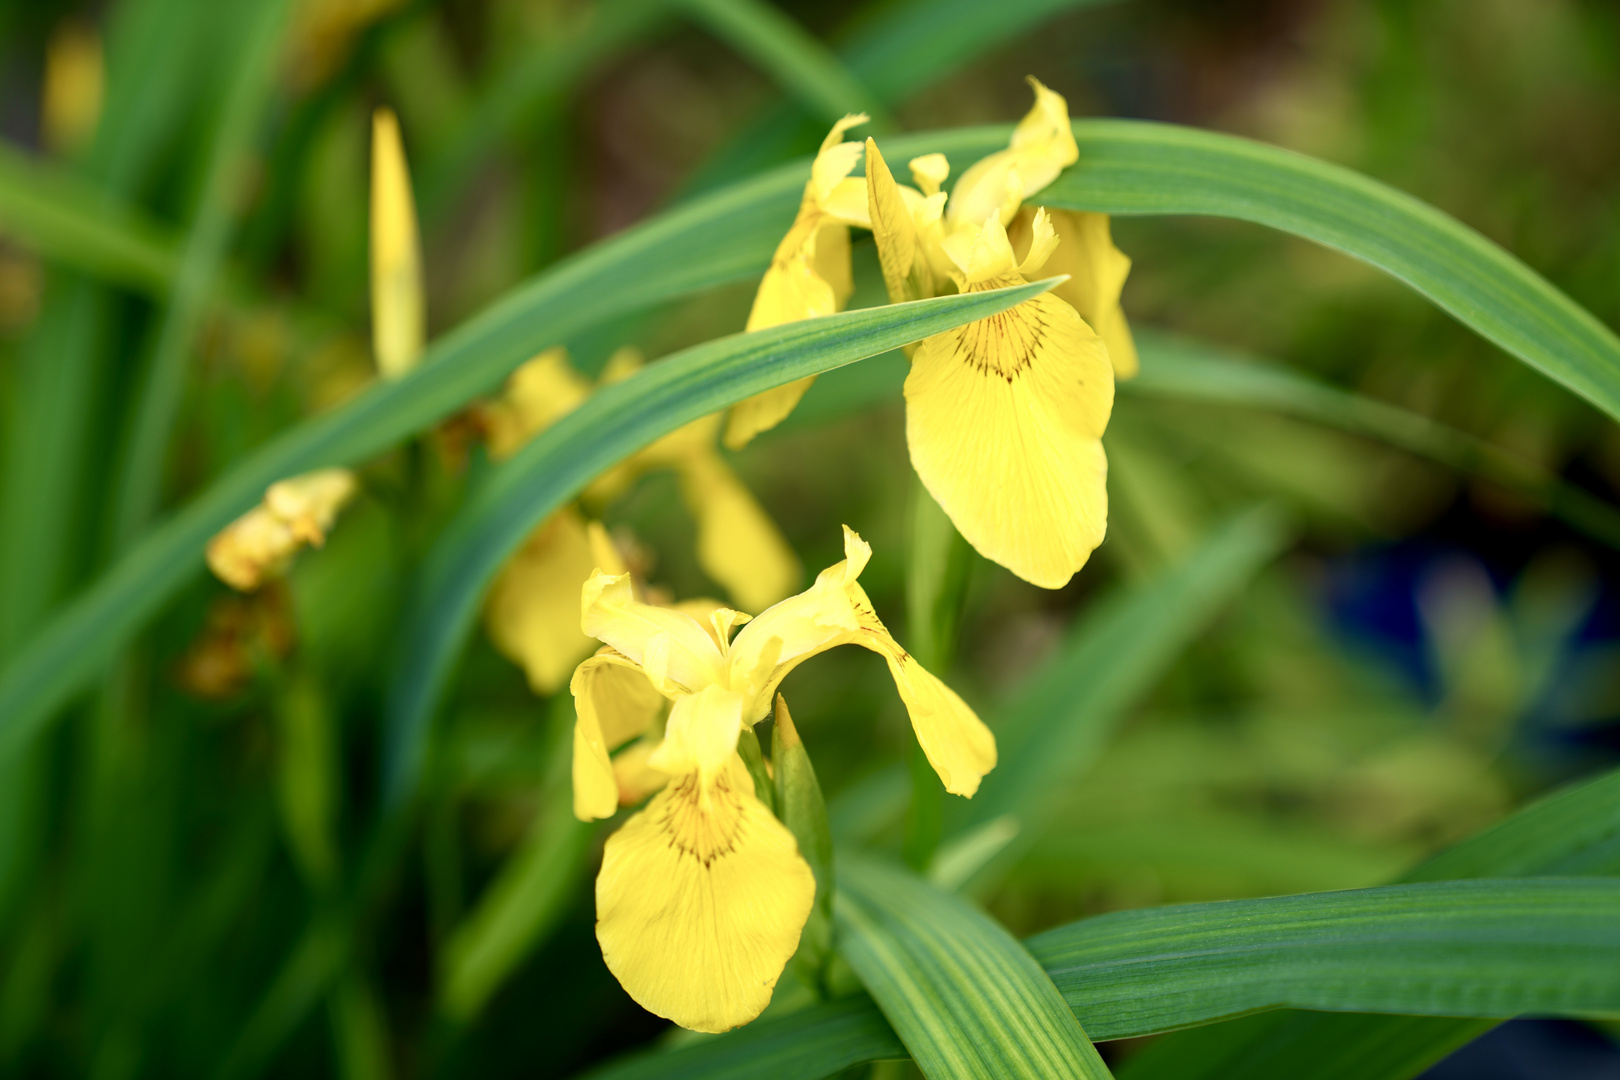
(75,77)
(301,510)
(262,542)
(397,308)
(703,893)
(809,274)
(1005,416)
(532,614)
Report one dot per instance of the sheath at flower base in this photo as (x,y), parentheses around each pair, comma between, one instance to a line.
(532,615)
(703,893)
(809,274)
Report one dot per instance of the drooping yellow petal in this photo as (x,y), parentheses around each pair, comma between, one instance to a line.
(532,614)
(1042,145)
(537,395)
(397,310)
(75,76)
(677,654)
(958,745)
(809,273)
(294,512)
(738,544)
(700,902)
(789,633)
(1097,271)
(1004,418)
(613,703)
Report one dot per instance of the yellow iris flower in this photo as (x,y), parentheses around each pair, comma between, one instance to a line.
(809,274)
(1005,416)
(531,614)
(703,894)
(261,543)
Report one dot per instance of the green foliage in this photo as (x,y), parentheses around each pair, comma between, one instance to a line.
(326,828)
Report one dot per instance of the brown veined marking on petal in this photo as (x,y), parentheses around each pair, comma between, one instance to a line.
(981,343)
(699,831)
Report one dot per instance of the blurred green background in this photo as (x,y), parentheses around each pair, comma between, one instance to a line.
(1426,650)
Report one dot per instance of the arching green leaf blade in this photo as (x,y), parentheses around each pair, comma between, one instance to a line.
(966,999)
(1575,831)
(1489,948)
(1463,948)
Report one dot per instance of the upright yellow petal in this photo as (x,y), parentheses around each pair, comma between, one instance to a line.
(700,902)
(906,272)
(1004,418)
(738,544)
(677,653)
(397,310)
(532,614)
(1097,271)
(958,745)
(1042,145)
(613,703)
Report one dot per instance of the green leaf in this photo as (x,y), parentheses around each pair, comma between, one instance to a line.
(1186,370)
(71,222)
(1456,948)
(805,1045)
(900,50)
(965,997)
(1120,649)
(784,51)
(1321,1045)
(1489,948)
(535,77)
(1125,167)
(240,119)
(1573,831)
(613,423)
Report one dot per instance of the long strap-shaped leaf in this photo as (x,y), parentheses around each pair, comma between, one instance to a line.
(1578,827)
(1125,167)
(1456,948)
(964,996)
(1133,168)
(70,221)
(609,426)
(1573,831)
